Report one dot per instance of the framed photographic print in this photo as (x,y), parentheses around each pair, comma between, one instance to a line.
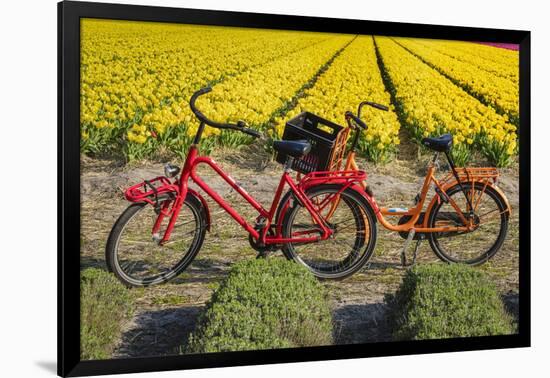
(240,188)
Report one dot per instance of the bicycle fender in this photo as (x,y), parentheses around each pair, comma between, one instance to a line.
(359,189)
(505,199)
(372,202)
(204,204)
(496,189)
(436,199)
(283,206)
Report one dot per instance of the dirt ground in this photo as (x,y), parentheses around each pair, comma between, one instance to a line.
(167,313)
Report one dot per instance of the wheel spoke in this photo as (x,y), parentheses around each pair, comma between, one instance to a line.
(474,246)
(143,262)
(344,221)
(343,242)
(184,239)
(348,247)
(349,227)
(183,224)
(487,213)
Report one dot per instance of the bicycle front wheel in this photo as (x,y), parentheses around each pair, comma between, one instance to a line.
(133,253)
(470,247)
(352,221)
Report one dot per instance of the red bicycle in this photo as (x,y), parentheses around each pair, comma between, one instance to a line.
(167,217)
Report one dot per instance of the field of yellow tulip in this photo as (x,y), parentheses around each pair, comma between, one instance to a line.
(492,89)
(431,104)
(137,78)
(500,62)
(258,94)
(353,77)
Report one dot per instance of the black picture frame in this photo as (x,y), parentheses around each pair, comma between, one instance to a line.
(69,15)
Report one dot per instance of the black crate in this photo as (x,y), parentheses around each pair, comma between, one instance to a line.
(323,136)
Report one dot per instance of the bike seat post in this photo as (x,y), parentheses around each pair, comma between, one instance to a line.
(436,156)
(288,163)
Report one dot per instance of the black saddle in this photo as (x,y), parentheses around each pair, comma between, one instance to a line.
(294,148)
(442,143)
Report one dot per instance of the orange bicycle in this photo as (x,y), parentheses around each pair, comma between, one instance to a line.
(466,220)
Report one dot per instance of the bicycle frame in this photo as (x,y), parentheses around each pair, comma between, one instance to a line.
(415,212)
(180,188)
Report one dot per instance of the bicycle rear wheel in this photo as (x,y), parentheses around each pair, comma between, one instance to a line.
(135,257)
(354,235)
(479,245)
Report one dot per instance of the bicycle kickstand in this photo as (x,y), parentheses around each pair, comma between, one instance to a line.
(410,237)
(416,250)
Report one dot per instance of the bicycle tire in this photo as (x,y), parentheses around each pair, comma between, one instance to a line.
(111,250)
(435,238)
(362,214)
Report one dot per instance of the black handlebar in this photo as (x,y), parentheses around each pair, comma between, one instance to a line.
(374,105)
(356,120)
(240,126)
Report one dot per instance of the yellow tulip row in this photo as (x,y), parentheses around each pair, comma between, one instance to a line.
(498,91)
(352,77)
(135,68)
(500,62)
(137,78)
(431,103)
(257,94)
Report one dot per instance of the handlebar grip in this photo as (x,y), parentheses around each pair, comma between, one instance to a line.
(204,90)
(356,119)
(379,106)
(251,132)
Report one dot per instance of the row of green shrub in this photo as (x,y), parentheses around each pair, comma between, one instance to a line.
(274,303)
(264,304)
(438,301)
(104,306)
(277,304)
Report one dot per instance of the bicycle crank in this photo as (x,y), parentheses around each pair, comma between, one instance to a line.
(263,249)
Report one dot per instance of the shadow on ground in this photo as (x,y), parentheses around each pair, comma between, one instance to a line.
(92,262)
(361,323)
(158,333)
(511,303)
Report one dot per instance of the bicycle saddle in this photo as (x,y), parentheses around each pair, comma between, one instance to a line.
(442,143)
(294,148)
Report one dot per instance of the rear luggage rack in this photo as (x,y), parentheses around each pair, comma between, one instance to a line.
(341,177)
(150,190)
(483,174)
